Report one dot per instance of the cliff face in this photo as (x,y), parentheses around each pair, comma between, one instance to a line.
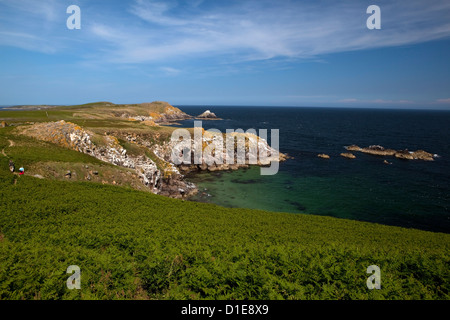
(107,148)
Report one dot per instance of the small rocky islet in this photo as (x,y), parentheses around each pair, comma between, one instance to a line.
(208,115)
(400,154)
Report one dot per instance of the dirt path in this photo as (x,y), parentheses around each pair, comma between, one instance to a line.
(11,144)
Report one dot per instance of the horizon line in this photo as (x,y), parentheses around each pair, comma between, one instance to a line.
(406,108)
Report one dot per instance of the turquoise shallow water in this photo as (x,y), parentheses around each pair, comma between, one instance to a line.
(412,194)
(340,196)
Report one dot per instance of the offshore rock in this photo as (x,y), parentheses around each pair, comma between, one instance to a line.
(400,154)
(348,155)
(374,149)
(353,148)
(414,155)
(208,115)
(423,155)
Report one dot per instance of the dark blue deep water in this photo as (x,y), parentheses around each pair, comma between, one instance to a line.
(413,194)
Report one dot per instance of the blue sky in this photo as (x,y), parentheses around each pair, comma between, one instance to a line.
(285,53)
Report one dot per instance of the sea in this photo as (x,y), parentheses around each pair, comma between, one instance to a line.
(405,193)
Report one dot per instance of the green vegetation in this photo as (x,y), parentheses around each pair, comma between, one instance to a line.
(94,114)
(131,244)
(28,150)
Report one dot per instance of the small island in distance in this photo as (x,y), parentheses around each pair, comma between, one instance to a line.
(208,115)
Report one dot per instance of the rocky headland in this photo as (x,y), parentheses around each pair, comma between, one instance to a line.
(148,153)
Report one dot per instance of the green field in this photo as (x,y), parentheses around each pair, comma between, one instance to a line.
(132,244)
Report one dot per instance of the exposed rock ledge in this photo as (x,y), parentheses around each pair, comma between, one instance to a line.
(401,154)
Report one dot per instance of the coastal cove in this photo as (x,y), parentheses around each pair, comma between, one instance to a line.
(406,193)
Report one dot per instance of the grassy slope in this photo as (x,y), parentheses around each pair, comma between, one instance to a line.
(131,244)
(92,114)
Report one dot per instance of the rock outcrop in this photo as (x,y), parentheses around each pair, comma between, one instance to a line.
(348,155)
(414,155)
(374,149)
(170,114)
(401,154)
(208,115)
(216,160)
(157,112)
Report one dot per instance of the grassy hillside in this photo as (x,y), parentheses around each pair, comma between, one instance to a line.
(136,245)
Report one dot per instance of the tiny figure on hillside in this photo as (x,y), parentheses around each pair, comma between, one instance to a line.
(21,170)
(11,166)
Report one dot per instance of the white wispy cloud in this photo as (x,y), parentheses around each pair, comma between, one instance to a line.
(376,101)
(170,71)
(46,10)
(443,101)
(27,41)
(228,31)
(250,30)
(155,12)
(32,25)
(348,100)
